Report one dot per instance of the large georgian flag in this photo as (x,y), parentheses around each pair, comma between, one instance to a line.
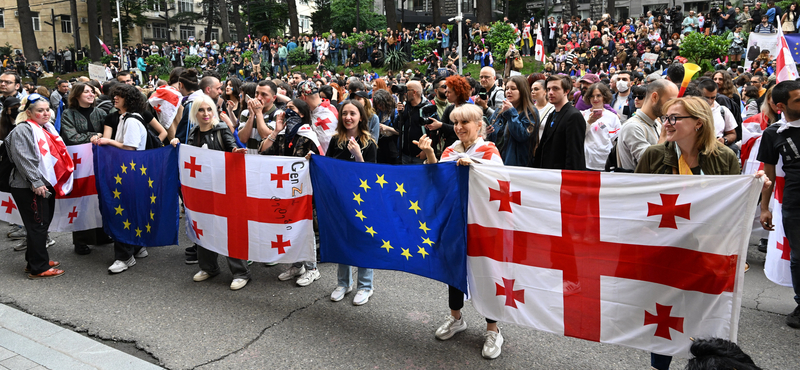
(776,267)
(249,207)
(643,261)
(76,211)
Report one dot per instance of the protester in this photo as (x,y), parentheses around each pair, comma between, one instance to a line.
(641,131)
(513,124)
(561,146)
(602,127)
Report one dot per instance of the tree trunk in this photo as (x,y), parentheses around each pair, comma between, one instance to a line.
(211,7)
(76,35)
(237,20)
(437,12)
(611,9)
(483,12)
(94,43)
(294,27)
(105,15)
(573,9)
(29,46)
(391,15)
(224,23)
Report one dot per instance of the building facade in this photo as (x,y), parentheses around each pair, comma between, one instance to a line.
(63,25)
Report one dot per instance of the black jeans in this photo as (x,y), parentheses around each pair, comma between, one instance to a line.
(790,220)
(36,213)
(456,301)
(124,251)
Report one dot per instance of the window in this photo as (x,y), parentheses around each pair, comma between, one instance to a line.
(214,34)
(160,30)
(185,6)
(186,32)
(2,18)
(36,25)
(157,6)
(66,24)
(305,23)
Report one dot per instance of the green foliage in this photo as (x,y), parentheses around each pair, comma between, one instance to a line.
(6,50)
(192,61)
(359,41)
(321,19)
(105,59)
(499,37)
(298,56)
(247,54)
(697,47)
(325,35)
(161,65)
(83,62)
(395,60)
(422,48)
(223,69)
(268,17)
(342,14)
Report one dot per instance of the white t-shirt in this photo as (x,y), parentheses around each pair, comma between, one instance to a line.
(722,122)
(619,106)
(599,138)
(131,132)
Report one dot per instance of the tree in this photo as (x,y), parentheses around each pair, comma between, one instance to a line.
(483,11)
(321,19)
(294,27)
(236,17)
(76,35)
(573,9)
(210,19)
(29,46)
(224,23)
(343,20)
(611,9)
(105,16)
(268,17)
(94,42)
(391,15)
(131,14)
(437,12)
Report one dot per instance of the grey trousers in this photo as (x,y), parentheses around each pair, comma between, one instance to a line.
(209,262)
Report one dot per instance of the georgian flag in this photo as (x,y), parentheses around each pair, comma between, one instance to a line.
(76,211)
(324,121)
(644,261)
(54,160)
(752,129)
(776,267)
(786,69)
(480,152)
(539,50)
(250,207)
(165,101)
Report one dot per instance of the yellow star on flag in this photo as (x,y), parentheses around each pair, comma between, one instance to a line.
(423,226)
(427,241)
(143,169)
(380,180)
(422,252)
(357,198)
(133,165)
(119,210)
(151,215)
(116,194)
(148,227)
(371,232)
(386,245)
(127,224)
(150,182)
(400,189)
(119,179)
(406,253)
(138,232)
(360,215)
(364,185)
(124,169)
(415,206)
(153,199)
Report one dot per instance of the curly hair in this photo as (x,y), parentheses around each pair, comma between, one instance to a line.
(460,87)
(134,100)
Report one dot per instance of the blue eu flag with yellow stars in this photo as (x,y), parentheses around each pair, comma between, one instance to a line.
(138,192)
(793,41)
(408,218)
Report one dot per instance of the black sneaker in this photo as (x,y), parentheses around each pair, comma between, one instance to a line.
(763,246)
(82,249)
(191,251)
(793,319)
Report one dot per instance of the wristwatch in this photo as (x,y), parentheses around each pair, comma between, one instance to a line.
(726,140)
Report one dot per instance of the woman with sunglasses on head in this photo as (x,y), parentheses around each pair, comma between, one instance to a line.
(33,184)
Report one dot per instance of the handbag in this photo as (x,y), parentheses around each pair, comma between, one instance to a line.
(518,63)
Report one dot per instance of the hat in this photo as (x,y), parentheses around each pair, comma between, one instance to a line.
(307,88)
(408,71)
(362,94)
(590,78)
(11,101)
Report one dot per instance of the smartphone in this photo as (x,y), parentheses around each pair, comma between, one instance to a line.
(597,112)
(247,98)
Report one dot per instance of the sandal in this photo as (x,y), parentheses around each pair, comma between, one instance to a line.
(47,274)
(52,264)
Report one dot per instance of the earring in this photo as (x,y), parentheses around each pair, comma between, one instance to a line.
(697,128)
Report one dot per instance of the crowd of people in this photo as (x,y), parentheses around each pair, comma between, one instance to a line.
(597,107)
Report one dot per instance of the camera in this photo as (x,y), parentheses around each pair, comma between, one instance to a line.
(427,112)
(400,90)
(482,94)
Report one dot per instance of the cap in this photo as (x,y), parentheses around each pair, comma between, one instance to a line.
(590,78)
(408,71)
(362,94)
(307,88)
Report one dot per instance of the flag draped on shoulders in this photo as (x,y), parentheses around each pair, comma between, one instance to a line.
(138,193)
(405,218)
(55,163)
(480,152)
(250,207)
(776,266)
(165,101)
(643,261)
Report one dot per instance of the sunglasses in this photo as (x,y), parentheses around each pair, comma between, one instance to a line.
(640,97)
(33,98)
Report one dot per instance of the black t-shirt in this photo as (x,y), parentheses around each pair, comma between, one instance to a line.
(785,146)
(731,17)
(370,153)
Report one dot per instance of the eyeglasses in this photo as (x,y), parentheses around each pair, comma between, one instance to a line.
(671,119)
(6,82)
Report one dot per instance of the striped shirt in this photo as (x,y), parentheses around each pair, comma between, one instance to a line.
(22,150)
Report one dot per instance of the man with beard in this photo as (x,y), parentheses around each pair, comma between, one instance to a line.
(641,130)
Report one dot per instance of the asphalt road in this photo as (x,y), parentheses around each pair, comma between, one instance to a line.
(181,324)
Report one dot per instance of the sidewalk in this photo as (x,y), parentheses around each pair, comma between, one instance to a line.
(27,342)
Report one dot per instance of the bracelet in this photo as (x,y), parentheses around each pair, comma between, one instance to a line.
(270,138)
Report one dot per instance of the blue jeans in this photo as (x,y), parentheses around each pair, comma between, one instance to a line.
(335,58)
(793,236)
(343,52)
(283,65)
(345,277)
(275,70)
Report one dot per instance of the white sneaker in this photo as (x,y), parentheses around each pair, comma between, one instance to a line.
(339,292)
(450,327)
(237,284)
(201,276)
(120,266)
(50,242)
(142,253)
(362,297)
(492,345)
(292,272)
(308,277)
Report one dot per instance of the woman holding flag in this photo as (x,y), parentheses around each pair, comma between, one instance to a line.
(469,149)
(33,184)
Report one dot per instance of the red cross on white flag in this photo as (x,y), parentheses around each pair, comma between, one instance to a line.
(776,267)
(539,50)
(583,255)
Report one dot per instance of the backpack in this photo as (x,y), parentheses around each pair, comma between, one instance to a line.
(151,139)
(6,168)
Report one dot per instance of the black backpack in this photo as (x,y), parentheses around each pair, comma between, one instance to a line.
(151,139)
(6,167)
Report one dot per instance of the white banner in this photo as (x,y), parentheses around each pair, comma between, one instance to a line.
(97,72)
(758,42)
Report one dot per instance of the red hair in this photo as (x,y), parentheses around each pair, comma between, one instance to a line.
(459,86)
(380,84)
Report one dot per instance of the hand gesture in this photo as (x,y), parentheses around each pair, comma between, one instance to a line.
(425,144)
(231,105)
(355,149)
(280,122)
(255,106)
(506,106)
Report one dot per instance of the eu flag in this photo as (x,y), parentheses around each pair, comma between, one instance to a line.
(408,218)
(793,41)
(138,192)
